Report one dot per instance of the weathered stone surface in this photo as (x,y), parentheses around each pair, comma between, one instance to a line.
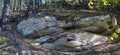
(75,41)
(53,46)
(89,39)
(47,25)
(37,26)
(42,39)
(96,24)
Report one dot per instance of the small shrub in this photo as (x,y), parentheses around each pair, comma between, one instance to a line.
(110,4)
(115,34)
(2,41)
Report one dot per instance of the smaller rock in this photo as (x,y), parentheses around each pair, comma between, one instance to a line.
(72,44)
(75,41)
(42,39)
(68,41)
(89,39)
(50,46)
(63,44)
(62,24)
(53,46)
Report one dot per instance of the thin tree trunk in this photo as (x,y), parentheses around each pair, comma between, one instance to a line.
(85,3)
(20,3)
(56,4)
(30,7)
(14,5)
(18,12)
(63,3)
(45,2)
(40,3)
(5,14)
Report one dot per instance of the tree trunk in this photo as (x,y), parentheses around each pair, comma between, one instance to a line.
(63,3)
(20,3)
(40,3)
(30,7)
(14,5)
(37,5)
(55,4)
(85,3)
(5,14)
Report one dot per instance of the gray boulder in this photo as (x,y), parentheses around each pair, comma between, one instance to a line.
(42,39)
(96,24)
(37,26)
(75,41)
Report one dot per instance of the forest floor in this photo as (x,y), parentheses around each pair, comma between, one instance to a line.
(29,47)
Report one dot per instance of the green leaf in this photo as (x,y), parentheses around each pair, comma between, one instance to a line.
(117,30)
(49,53)
(2,41)
(113,36)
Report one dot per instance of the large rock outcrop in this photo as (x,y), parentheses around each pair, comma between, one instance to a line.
(73,41)
(48,25)
(96,24)
(37,26)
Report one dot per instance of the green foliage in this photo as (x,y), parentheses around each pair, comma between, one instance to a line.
(115,34)
(118,30)
(103,3)
(73,3)
(113,3)
(25,1)
(49,53)
(67,1)
(90,4)
(2,41)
